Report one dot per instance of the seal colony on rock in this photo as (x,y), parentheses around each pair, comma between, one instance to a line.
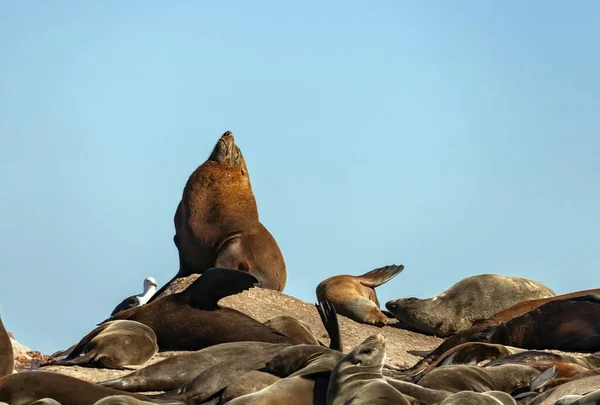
(192,320)
(355,297)
(114,344)
(470,300)
(140,299)
(217,224)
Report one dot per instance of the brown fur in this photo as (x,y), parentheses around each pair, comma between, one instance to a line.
(355,297)
(249,383)
(192,320)
(472,353)
(480,379)
(293,328)
(500,317)
(7,357)
(113,345)
(470,300)
(217,224)
(26,387)
(577,387)
(569,325)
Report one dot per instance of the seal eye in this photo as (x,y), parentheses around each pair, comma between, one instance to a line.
(243,172)
(366,351)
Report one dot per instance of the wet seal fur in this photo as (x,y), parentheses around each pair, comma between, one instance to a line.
(26,387)
(113,345)
(217,224)
(355,297)
(479,398)
(192,320)
(569,325)
(498,318)
(457,378)
(470,300)
(578,387)
(176,371)
(357,378)
(7,356)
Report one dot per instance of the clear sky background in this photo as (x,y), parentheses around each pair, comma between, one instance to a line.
(457,138)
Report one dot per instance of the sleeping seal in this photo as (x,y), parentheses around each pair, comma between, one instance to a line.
(470,300)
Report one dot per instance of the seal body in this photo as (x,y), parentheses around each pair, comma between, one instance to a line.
(355,297)
(248,383)
(293,328)
(113,345)
(217,224)
(470,300)
(457,378)
(29,386)
(570,325)
(7,357)
(176,371)
(498,318)
(477,398)
(357,378)
(192,320)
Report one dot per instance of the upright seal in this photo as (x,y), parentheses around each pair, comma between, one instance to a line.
(217,224)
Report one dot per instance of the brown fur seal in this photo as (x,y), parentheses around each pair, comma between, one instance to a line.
(192,320)
(293,328)
(592,398)
(251,382)
(471,353)
(578,387)
(217,224)
(357,378)
(479,398)
(470,300)
(174,372)
(355,297)
(122,400)
(304,372)
(571,325)
(504,378)
(26,387)
(500,317)
(113,345)
(527,356)
(290,391)
(7,357)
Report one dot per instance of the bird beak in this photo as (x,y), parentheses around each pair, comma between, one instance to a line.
(155,285)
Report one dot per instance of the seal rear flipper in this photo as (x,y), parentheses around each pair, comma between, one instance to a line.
(382,275)
(543,378)
(78,361)
(330,322)
(419,353)
(217,283)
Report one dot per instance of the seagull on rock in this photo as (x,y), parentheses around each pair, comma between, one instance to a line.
(140,299)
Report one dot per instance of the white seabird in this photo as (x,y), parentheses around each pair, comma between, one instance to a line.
(140,299)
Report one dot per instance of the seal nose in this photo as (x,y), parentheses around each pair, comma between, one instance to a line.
(390,305)
(226,134)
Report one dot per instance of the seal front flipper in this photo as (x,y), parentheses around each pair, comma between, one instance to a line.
(330,322)
(217,283)
(382,275)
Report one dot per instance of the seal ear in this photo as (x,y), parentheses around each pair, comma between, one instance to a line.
(217,283)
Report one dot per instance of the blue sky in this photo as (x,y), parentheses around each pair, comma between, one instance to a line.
(457,138)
